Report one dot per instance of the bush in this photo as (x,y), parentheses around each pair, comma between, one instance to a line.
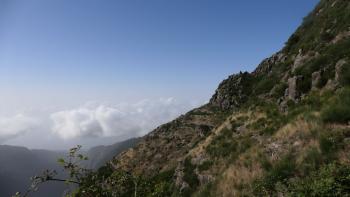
(222,145)
(345,75)
(279,90)
(265,84)
(278,174)
(190,177)
(332,180)
(205,165)
(338,110)
(311,162)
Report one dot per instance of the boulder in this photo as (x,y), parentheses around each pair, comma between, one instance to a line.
(341,36)
(294,87)
(204,179)
(179,177)
(338,69)
(301,59)
(316,80)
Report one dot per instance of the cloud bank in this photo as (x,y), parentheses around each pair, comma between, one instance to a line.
(12,127)
(128,120)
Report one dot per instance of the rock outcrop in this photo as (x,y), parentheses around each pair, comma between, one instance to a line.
(233,91)
(294,90)
(338,69)
(316,79)
(302,58)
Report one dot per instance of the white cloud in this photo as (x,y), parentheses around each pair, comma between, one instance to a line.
(12,127)
(98,120)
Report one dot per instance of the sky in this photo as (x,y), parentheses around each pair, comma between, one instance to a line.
(96,72)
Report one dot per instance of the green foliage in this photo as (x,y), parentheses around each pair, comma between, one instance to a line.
(222,145)
(330,142)
(278,174)
(331,180)
(190,177)
(338,110)
(311,162)
(206,191)
(345,75)
(124,184)
(226,146)
(205,165)
(314,65)
(279,90)
(272,122)
(265,84)
(319,27)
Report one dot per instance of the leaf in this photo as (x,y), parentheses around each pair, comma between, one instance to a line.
(61,161)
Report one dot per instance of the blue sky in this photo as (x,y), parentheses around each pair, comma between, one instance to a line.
(64,53)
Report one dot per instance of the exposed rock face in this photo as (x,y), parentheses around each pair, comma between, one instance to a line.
(179,177)
(294,88)
(301,59)
(316,80)
(232,92)
(199,159)
(338,69)
(341,36)
(205,179)
(265,67)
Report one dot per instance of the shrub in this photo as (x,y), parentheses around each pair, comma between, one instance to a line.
(278,174)
(311,162)
(331,180)
(345,75)
(205,165)
(190,177)
(265,84)
(330,143)
(222,145)
(279,89)
(338,110)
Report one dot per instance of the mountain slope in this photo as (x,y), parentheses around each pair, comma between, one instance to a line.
(100,155)
(281,130)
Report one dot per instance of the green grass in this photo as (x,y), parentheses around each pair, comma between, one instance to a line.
(190,177)
(205,166)
(345,75)
(277,174)
(338,110)
(331,180)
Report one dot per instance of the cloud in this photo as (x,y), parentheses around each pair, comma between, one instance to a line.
(12,127)
(128,120)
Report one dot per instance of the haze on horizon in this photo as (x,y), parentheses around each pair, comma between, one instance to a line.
(96,72)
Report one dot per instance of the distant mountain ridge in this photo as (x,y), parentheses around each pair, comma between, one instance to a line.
(18,164)
(100,155)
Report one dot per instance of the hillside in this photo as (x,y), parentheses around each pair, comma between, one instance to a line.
(282,130)
(100,155)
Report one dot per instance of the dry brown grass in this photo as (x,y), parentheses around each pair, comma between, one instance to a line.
(242,172)
(297,127)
